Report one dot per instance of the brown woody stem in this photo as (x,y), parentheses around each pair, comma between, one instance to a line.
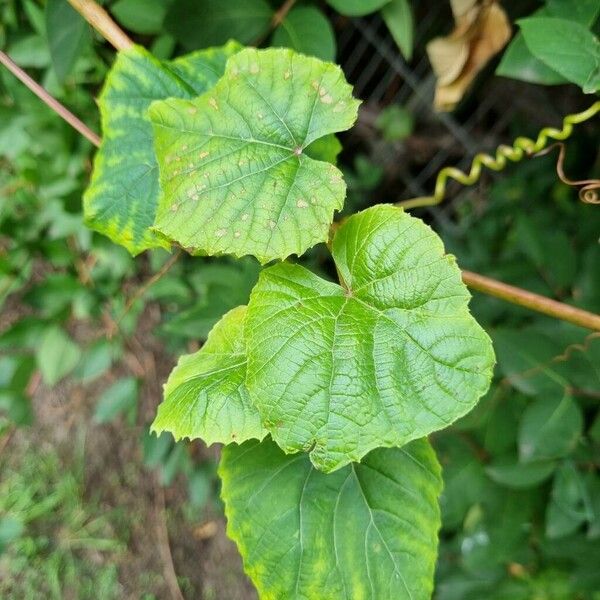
(522,297)
(54,104)
(281,13)
(102,22)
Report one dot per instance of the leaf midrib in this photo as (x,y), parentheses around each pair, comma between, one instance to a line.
(224,137)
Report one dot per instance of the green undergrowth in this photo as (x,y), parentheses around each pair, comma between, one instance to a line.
(55,541)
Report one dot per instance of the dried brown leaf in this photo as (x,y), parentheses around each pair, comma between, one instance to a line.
(461,7)
(481,30)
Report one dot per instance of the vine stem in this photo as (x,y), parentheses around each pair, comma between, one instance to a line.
(102,22)
(281,13)
(483,284)
(541,304)
(277,19)
(45,97)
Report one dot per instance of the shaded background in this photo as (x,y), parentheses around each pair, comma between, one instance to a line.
(91,505)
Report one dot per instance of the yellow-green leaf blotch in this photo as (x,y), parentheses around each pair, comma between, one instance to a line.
(235,174)
(365,532)
(122,197)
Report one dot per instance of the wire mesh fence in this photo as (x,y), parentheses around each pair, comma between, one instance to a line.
(483,120)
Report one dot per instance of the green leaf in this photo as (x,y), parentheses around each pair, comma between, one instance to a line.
(30,51)
(357,8)
(520,475)
(221,286)
(594,430)
(306,29)
(549,251)
(519,63)
(366,531)
(550,428)
(206,396)
(202,69)
(465,481)
(501,419)
(567,509)
(395,123)
(123,194)
(178,461)
(201,23)
(234,175)
(67,33)
(583,11)
(326,148)
(155,448)
(525,359)
(96,360)
(496,532)
(16,406)
(390,356)
(567,47)
(593,504)
(25,333)
(35,15)
(163,46)
(56,356)
(15,372)
(200,487)
(399,20)
(120,397)
(54,295)
(141,16)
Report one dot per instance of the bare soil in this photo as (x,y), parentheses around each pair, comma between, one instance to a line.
(169,555)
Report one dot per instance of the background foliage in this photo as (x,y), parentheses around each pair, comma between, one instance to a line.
(521,499)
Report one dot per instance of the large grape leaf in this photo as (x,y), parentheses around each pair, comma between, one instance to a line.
(206,396)
(387,357)
(234,173)
(121,199)
(368,531)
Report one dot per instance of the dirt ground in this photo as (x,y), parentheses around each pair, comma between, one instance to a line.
(168,556)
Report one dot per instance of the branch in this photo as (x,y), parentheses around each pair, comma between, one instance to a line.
(278,17)
(281,13)
(478,282)
(54,104)
(164,546)
(541,304)
(102,22)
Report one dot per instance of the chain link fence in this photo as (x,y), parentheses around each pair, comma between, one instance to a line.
(484,119)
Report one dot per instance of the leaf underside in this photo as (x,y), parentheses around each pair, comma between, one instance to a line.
(368,531)
(122,197)
(234,171)
(389,357)
(206,396)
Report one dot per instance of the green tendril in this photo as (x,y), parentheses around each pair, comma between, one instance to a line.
(522,147)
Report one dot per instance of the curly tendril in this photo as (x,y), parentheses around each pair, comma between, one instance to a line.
(522,147)
(588,188)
